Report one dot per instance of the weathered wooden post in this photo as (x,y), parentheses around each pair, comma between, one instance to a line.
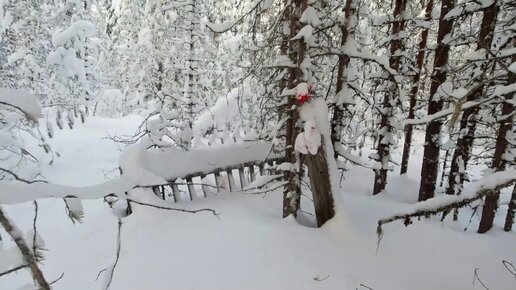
(318,173)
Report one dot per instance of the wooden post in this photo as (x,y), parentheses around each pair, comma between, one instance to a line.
(262,170)
(241,175)
(251,172)
(217,180)
(231,180)
(191,189)
(175,191)
(205,189)
(320,183)
(155,189)
(271,164)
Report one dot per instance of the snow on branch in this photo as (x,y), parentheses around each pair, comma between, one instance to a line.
(11,193)
(221,27)
(478,190)
(15,176)
(27,103)
(228,25)
(459,106)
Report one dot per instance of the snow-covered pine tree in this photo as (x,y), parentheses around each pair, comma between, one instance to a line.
(74,72)
(390,86)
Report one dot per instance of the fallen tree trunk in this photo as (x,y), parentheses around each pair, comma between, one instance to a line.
(482,188)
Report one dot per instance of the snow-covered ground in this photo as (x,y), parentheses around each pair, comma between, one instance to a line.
(249,245)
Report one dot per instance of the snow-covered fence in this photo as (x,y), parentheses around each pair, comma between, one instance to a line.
(224,178)
(230,167)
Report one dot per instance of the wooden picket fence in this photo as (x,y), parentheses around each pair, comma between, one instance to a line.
(246,174)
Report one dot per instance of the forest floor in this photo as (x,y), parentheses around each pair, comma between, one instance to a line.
(249,245)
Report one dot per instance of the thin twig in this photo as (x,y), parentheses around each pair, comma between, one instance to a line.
(118,246)
(476,277)
(13,270)
(319,279)
(19,178)
(60,277)
(510,267)
(172,208)
(100,272)
(34,229)
(250,191)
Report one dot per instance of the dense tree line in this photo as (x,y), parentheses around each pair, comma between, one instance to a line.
(384,69)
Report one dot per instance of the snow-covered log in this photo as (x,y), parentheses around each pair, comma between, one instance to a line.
(476,191)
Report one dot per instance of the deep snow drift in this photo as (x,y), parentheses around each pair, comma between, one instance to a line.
(249,245)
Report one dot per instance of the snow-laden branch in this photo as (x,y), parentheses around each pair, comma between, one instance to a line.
(449,111)
(15,176)
(11,193)
(459,106)
(22,101)
(228,25)
(478,190)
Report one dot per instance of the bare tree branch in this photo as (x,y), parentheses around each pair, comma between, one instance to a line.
(476,277)
(60,277)
(19,178)
(13,270)
(172,208)
(510,267)
(118,246)
(29,258)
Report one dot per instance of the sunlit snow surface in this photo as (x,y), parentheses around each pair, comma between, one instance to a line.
(249,245)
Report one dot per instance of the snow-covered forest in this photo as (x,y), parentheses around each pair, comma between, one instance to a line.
(257,144)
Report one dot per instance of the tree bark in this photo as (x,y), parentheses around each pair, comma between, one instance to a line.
(292,189)
(386,128)
(468,122)
(415,88)
(509,219)
(431,152)
(338,111)
(499,162)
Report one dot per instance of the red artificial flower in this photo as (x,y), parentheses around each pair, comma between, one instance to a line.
(304,98)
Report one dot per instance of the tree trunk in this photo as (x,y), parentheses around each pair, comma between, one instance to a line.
(338,111)
(468,122)
(433,129)
(499,162)
(509,219)
(415,88)
(386,128)
(292,189)
(318,172)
